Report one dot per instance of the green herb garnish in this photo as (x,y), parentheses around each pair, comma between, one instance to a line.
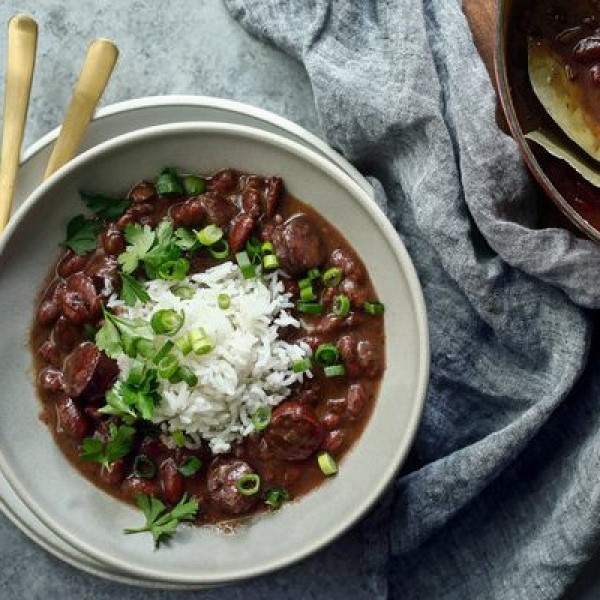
(132,290)
(105,206)
(161,523)
(190,467)
(117,446)
(81,234)
(118,335)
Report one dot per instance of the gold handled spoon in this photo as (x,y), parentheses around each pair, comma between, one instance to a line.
(20,62)
(95,73)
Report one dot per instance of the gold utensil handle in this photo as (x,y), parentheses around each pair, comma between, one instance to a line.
(20,62)
(96,71)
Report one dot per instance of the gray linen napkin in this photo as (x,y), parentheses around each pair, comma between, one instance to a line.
(500,496)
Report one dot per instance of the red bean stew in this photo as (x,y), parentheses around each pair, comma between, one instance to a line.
(296,445)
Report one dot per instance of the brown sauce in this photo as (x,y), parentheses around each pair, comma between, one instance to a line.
(340,405)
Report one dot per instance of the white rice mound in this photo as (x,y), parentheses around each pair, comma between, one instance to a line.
(250,366)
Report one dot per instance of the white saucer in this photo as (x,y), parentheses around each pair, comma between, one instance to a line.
(108,123)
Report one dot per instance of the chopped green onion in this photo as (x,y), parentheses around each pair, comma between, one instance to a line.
(185,374)
(168,366)
(313,274)
(224,301)
(327,464)
(194,186)
(310,308)
(307,294)
(210,235)
(327,354)
(305,283)
(183,291)
(299,366)
(167,347)
(248,484)
(220,250)
(168,183)
(253,247)
(270,262)
(179,438)
(341,305)
(166,322)
(332,277)
(174,270)
(144,467)
(335,371)
(144,347)
(374,308)
(190,467)
(246,266)
(136,373)
(261,417)
(201,343)
(267,248)
(184,343)
(275,497)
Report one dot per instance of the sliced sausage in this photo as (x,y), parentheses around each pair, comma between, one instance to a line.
(275,191)
(135,486)
(298,245)
(88,372)
(224,181)
(51,379)
(113,240)
(251,202)
(70,418)
(348,263)
(71,263)
(190,213)
(294,432)
(65,334)
(49,307)
(240,231)
(172,482)
(80,303)
(114,473)
(219,210)
(221,485)
(362,355)
(142,191)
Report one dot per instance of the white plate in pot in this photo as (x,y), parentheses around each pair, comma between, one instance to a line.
(108,123)
(90,520)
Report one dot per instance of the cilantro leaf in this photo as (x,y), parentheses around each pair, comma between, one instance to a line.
(116,403)
(108,339)
(132,290)
(117,334)
(105,206)
(118,445)
(161,523)
(81,234)
(140,240)
(186,239)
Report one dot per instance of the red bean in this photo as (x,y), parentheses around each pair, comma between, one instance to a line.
(275,191)
(123,221)
(113,240)
(49,307)
(80,303)
(65,334)
(135,486)
(357,294)
(51,379)
(153,448)
(103,268)
(331,420)
(349,264)
(71,263)
(114,473)
(357,398)
(362,354)
(172,482)
(224,181)
(190,213)
(143,191)
(333,440)
(219,210)
(337,405)
(70,418)
(50,354)
(251,202)
(240,231)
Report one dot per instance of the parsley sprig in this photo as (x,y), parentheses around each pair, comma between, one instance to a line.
(106,207)
(118,335)
(132,290)
(160,522)
(118,445)
(81,234)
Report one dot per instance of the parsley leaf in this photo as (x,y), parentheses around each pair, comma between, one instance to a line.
(118,334)
(186,239)
(118,445)
(161,523)
(105,206)
(140,240)
(81,234)
(132,290)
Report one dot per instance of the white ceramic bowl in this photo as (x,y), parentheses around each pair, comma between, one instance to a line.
(92,521)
